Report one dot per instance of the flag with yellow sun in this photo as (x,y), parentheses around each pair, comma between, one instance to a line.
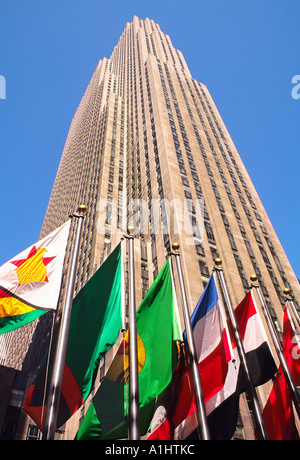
(30,282)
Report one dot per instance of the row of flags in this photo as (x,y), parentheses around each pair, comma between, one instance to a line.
(220,369)
(94,327)
(30,286)
(157,339)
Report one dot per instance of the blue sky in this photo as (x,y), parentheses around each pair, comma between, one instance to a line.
(246,52)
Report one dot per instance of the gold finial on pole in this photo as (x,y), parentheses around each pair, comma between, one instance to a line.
(253,279)
(286,291)
(175,246)
(82,208)
(218,264)
(130,230)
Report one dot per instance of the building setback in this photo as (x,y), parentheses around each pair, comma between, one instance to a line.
(147,147)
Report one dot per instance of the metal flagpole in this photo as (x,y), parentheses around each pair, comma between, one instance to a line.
(286,371)
(134,423)
(62,340)
(287,293)
(197,385)
(258,418)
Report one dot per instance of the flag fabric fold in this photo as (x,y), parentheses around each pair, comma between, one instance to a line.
(157,339)
(260,361)
(278,412)
(30,282)
(96,319)
(291,347)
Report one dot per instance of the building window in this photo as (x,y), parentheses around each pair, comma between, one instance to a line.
(33,433)
(231,240)
(16,398)
(248,246)
(203,268)
(209,232)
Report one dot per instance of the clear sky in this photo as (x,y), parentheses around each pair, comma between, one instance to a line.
(246,52)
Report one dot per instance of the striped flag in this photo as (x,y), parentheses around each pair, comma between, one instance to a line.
(259,357)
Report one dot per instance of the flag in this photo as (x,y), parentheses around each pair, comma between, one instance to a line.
(157,337)
(291,347)
(278,412)
(218,377)
(30,282)
(95,322)
(259,357)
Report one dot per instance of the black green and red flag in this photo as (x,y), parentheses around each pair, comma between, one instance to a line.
(96,320)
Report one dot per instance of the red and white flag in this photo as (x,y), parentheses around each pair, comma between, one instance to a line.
(260,361)
(278,412)
(291,347)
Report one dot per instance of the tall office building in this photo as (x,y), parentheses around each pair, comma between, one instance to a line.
(148,147)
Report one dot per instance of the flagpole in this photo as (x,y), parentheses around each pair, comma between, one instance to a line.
(258,418)
(288,297)
(62,340)
(123,285)
(134,423)
(197,385)
(286,371)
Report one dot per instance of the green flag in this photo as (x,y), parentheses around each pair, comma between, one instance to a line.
(95,323)
(157,337)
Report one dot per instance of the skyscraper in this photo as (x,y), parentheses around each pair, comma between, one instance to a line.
(148,147)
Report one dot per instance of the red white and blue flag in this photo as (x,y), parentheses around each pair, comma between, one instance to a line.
(217,370)
(218,377)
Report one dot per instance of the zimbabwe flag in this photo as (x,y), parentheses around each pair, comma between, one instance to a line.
(30,282)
